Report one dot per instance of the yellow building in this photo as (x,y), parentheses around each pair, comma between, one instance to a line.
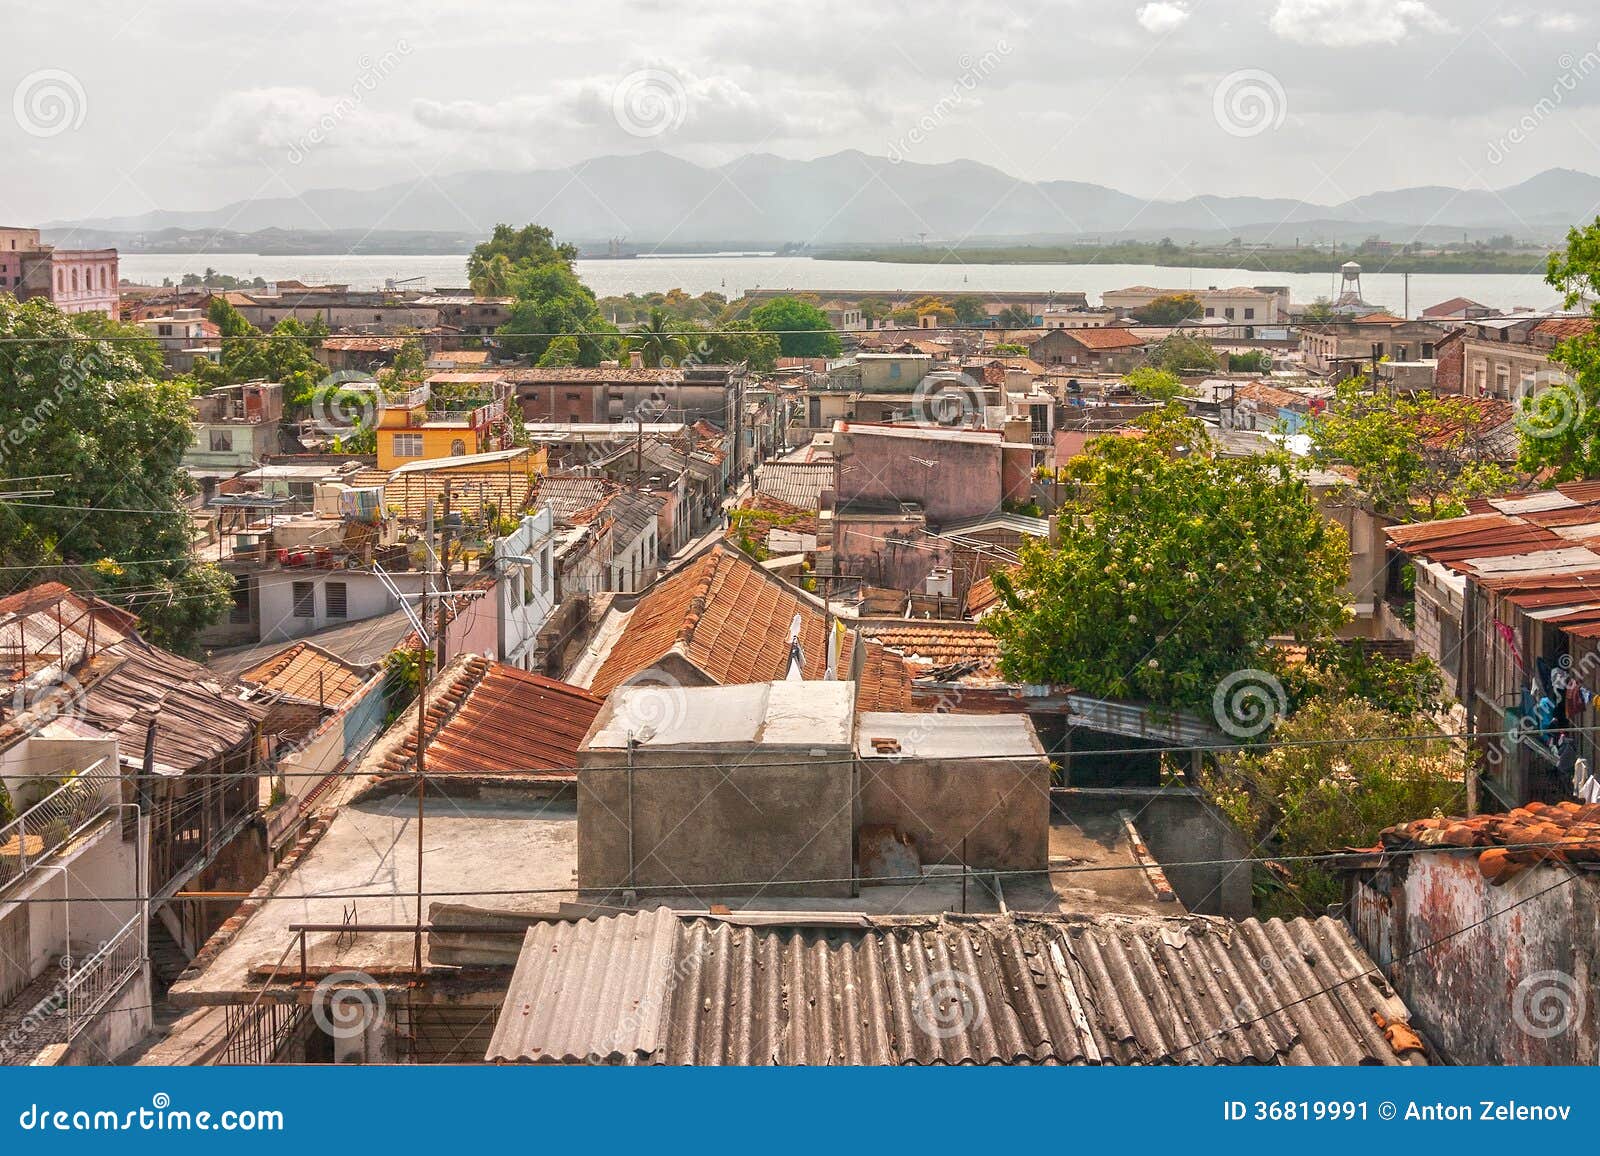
(420,426)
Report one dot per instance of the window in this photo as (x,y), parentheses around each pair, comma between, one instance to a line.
(458,448)
(337,596)
(1427,350)
(241,612)
(163,331)
(407,445)
(574,397)
(1228,312)
(222,441)
(1249,313)
(305,600)
(544,571)
(894,371)
(1210,312)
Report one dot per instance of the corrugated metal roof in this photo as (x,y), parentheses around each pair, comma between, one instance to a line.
(659,987)
(490,718)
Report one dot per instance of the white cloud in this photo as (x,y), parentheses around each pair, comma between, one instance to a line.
(1351,23)
(288,123)
(654,101)
(1162,16)
(1560,22)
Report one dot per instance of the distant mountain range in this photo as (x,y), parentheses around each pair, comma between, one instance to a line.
(848,198)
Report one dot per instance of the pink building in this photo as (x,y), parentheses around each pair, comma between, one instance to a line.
(75,280)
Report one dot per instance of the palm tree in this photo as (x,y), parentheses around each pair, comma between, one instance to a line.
(657,342)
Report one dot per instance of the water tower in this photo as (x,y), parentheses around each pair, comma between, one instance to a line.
(1350,287)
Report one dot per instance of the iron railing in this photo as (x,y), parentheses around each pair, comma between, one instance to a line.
(56,818)
(92,984)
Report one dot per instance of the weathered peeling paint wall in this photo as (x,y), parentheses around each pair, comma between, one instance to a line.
(1493,975)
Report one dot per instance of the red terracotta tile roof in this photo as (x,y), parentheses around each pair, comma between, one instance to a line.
(308,673)
(1561,328)
(496,719)
(1104,338)
(929,646)
(883,682)
(1381,317)
(730,619)
(1525,837)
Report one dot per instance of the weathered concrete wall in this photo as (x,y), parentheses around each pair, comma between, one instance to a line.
(1180,826)
(950,477)
(753,819)
(1000,807)
(1499,975)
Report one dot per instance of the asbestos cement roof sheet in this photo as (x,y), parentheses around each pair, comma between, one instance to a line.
(658,987)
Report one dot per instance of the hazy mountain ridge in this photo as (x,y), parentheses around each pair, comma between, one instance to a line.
(849,197)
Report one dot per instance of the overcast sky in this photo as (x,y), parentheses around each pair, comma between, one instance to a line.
(119,107)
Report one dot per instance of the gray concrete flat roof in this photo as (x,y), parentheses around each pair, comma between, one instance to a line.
(365,868)
(814,713)
(948,736)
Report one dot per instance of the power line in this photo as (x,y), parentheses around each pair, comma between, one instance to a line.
(676,888)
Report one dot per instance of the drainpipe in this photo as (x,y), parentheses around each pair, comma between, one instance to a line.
(633,744)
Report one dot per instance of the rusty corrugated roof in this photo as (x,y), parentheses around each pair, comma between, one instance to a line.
(487,717)
(659,987)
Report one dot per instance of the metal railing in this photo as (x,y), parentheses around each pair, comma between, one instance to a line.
(92,984)
(56,818)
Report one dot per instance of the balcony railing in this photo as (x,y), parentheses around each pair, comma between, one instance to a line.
(56,819)
(93,984)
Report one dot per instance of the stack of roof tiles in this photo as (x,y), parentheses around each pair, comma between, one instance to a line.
(1525,837)
(659,987)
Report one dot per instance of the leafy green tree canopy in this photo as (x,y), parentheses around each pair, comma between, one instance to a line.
(1173,569)
(802,328)
(1559,425)
(116,522)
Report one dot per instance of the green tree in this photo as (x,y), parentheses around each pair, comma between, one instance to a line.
(1155,384)
(735,341)
(802,328)
(1014,317)
(1413,456)
(493,264)
(1318,312)
(1170,309)
(530,266)
(562,352)
(116,522)
(1559,426)
(287,355)
(133,340)
(1183,353)
(969,310)
(1250,361)
(659,341)
(1174,568)
(1324,786)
